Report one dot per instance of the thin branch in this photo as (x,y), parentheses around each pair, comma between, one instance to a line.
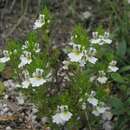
(4,36)
(38,8)
(12,6)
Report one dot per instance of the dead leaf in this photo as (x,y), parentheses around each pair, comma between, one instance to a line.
(8,118)
(7,72)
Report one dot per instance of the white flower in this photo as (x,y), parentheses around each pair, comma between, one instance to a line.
(25,59)
(92,59)
(65,64)
(39,22)
(106,38)
(95,39)
(93,78)
(26,81)
(37,79)
(100,109)
(88,55)
(112,66)
(62,115)
(101,39)
(6,57)
(61,118)
(75,56)
(92,101)
(102,77)
(57,119)
(95,112)
(25,84)
(37,48)
(25,46)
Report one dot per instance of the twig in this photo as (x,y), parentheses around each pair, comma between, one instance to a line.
(12,6)
(38,9)
(4,36)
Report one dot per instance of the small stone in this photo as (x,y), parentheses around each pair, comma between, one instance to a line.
(8,128)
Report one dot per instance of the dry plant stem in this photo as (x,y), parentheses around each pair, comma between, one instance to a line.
(22,6)
(32,126)
(18,22)
(87,118)
(38,8)
(12,6)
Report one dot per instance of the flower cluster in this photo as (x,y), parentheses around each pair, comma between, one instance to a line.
(6,57)
(26,58)
(35,81)
(98,106)
(101,39)
(89,61)
(112,66)
(100,109)
(81,55)
(101,77)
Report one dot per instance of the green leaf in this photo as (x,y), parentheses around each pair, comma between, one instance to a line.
(125,68)
(2,66)
(80,36)
(123,88)
(117,77)
(121,48)
(100,30)
(117,105)
(128,101)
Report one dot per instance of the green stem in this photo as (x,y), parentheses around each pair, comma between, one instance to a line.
(87,118)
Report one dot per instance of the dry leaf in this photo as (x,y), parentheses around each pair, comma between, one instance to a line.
(8,118)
